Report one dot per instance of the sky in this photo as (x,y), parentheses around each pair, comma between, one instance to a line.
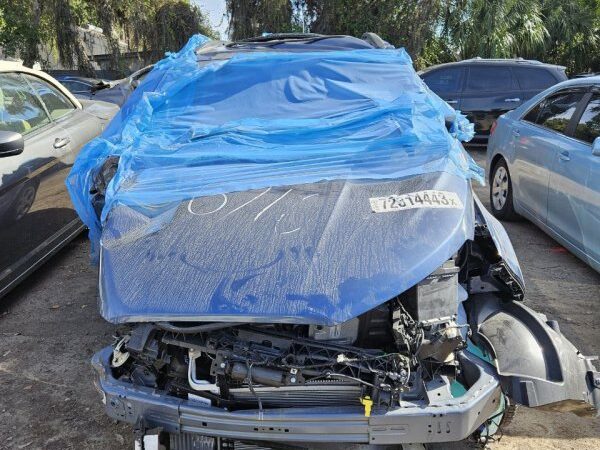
(216,11)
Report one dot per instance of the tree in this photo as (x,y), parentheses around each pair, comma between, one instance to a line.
(406,23)
(22,27)
(152,27)
(573,38)
(249,18)
(494,28)
(70,47)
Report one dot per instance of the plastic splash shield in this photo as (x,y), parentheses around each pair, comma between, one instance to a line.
(245,187)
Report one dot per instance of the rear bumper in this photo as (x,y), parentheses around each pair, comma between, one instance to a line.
(448,420)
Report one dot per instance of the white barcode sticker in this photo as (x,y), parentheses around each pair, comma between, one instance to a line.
(420,199)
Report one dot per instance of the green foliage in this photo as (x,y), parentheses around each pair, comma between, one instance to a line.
(437,50)
(435,31)
(151,26)
(253,17)
(407,23)
(573,33)
(22,27)
(558,31)
(495,28)
(565,32)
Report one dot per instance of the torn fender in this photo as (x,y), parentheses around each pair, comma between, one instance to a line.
(537,365)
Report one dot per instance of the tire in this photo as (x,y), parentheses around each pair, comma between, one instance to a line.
(501,192)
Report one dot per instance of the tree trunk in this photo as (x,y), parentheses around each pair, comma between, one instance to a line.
(31,53)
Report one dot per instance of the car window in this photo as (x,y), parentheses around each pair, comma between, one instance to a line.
(534,78)
(444,80)
(555,112)
(533,113)
(20,109)
(57,104)
(489,79)
(77,87)
(588,127)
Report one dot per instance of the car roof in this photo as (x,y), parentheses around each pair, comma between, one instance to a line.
(584,81)
(493,61)
(15,66)
(78,78)
(289,42)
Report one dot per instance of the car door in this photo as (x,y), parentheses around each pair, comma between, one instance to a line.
(35,209)
(533,80)
(574,193)
(538,139)
(79,126)
(490,90)
(447,83)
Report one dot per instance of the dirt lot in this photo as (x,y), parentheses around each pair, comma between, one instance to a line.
(50,327)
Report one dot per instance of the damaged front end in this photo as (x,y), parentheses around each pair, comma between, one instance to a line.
(310,271)
(440,362)
(399,373)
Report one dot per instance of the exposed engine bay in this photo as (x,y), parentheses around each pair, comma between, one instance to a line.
(436,360)
(443,347)
(381,358)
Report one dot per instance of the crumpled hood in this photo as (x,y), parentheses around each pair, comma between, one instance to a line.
(264,186)
(311,253)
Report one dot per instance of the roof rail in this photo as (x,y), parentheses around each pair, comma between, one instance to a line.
(518,59)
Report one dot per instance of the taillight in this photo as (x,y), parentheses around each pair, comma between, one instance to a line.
(494,125)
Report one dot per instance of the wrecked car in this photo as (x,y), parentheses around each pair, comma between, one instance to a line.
(288,239)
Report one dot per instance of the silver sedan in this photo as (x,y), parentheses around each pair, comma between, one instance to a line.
(544,164)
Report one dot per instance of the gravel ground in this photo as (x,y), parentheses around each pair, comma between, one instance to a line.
(50,327)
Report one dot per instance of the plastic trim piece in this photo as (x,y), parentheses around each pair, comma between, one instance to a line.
(537,365)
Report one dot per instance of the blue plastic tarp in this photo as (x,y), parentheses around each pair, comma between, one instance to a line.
(201,127)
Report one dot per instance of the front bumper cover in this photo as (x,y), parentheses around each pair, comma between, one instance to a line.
(442,421)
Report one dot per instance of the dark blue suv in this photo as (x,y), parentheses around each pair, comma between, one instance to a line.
(483,89)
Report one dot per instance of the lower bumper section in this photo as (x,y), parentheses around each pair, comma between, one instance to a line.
(448,420)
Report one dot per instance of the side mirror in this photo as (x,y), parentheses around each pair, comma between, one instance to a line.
(596,147)
(11,143)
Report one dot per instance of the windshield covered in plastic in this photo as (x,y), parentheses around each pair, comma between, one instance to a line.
(272,118)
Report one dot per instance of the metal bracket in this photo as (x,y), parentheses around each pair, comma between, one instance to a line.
(196,384)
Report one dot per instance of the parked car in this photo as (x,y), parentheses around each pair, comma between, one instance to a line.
(544,164)
(118,91)
(586,75)
(42,128)
(483,89)
(290,241)
(82,87)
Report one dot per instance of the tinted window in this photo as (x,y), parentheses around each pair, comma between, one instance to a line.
(489,79)
(556,111)
(588,127)
(444,80)
(77,87)
(20,109)
(534,78)
(57,104)
(532,115)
